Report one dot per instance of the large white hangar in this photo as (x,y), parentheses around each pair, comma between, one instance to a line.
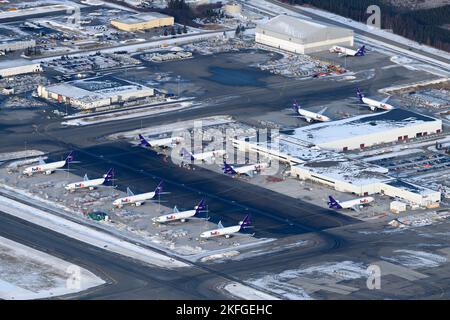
(368,130)
(301,35)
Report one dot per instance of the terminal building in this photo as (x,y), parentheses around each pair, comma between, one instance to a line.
(10,68)
(85,94)
(143,21)
(338,171)
(14,45)
(301,35)
(369,130)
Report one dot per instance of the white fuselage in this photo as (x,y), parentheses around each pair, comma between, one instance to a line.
(227,232)
(374,104)
(46,168)
(165,142)
(355,202)
(250,168)
(137,199)
(312,116)
(183,215)
(91,184)
(208,155)
(343,51)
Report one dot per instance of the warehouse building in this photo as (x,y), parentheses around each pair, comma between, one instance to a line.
(13,45)
(85,94)
(143,21)
(337,171)
(301,35)
(359,132)
(10,68)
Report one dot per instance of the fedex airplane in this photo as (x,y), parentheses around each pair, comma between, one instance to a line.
(138,199)
(183,215)
(373,104)
(350,204)
(201,156)
(342,51)
(49,168)
(228,231)
(164,143)
(308,115)
(248,170)
(91,184)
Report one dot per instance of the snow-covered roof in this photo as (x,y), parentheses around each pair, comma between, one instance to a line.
(301,30)
(142,17)
(411,187)
(8,63)
(327,132)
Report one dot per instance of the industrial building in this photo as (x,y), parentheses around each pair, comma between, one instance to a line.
(89,94)
(13,45)
(301,35)
(9,68)
(359,132)
(337,171)
(143,21)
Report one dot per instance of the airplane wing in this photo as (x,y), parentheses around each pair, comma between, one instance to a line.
(323,110)
(238,234)
(197,218)
(175,209)
(129,192)
(220,225)
(85,178)
(385,99)
(356,208)
(41,161)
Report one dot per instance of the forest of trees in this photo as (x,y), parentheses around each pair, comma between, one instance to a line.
(184,14)
(423,26)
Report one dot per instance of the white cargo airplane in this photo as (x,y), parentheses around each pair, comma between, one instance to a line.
(310,116)
(183,215)
(342,51)
(373,104)
(48,168)
(201,156)
(248,169)
(91,184)
(354,204)
(138,199)
(164,143)
(228,231)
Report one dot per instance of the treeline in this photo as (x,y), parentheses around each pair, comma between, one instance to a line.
(185,14)
(423,26)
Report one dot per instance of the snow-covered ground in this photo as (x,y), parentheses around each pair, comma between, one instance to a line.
(86,234)
(129,114)
(416,259)
(5,156)
(244,292)
(26,273)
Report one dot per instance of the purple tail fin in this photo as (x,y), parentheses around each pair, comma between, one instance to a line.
(361,51)
(295,106)
(159,189)
(359,94)
(333,204)
(70,157)
(247,222)
(109,175)
(144,142)
(228,169)
(201,206)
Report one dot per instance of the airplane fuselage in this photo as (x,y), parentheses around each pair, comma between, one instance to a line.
(356,202)
(208,155)
(165,142)
(183,215)
(46,168)
(91,184)
(226,232)
(343,51)
(137,199)
(312,116)
(374,104)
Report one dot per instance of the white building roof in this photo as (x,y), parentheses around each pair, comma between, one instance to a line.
(411,187)
(142,17)
(301,30)
(327,132)
(6,64)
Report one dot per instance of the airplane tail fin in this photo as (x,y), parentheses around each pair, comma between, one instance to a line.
(159,188)
(228,169)
(201,206)
(295,106)
(359,94)
(333,204)
(109,175)
(144,142)
(246,223)
(186,154)
(70,157)
(361,51)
